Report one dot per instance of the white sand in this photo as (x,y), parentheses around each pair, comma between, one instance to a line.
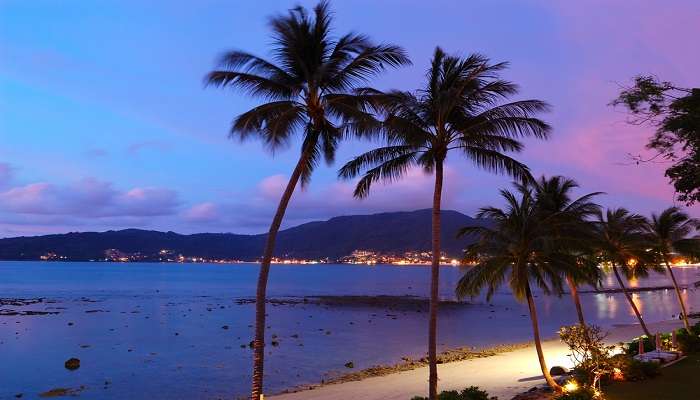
(503,375)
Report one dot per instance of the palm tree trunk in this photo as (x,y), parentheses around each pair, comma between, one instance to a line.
(259,341)
(434,286)
(538,343)
(576,299)
(684,312)
(629,299)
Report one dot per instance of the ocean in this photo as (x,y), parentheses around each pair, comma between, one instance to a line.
(181,331)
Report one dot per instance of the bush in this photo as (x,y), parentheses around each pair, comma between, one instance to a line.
(695,329)
(583,393)
(688,343)
(635,370)
(470,393)
(590,354)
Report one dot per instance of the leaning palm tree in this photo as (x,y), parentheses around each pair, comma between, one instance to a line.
(307,89)
(668,233)
(459,108)
(518,248)
(621,243)
(554,201)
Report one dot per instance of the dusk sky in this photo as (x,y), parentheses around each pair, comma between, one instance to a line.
(105,122)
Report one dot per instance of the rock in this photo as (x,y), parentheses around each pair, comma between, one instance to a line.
(61,392)
(72,364)
(558,371)
(349,365)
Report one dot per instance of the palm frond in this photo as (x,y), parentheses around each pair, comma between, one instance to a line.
(494,161)
(371,159)
(388,171)
(251,84)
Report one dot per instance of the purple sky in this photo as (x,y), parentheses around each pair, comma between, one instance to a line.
(105,124)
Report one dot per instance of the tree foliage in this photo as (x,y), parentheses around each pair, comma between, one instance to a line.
(307,84)
(674,112)
(461,107)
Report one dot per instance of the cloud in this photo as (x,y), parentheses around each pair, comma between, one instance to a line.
(88,198)
(203,212)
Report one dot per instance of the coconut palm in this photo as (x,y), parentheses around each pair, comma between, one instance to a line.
(461,107)
(554,201)
(307,91)
(668,233)
(622,244)
(518,249)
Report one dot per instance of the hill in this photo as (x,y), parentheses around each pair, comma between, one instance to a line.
(390,233)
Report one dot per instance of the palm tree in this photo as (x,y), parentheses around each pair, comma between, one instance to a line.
(459,108)
(554,201)
(517,249)
(622,244)
(668,233)
(307,89)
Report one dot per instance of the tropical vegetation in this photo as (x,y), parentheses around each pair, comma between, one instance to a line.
(622,246)
(668,235)
(460,109)
(520,250)
(307,88)
(572,230)
(674,112)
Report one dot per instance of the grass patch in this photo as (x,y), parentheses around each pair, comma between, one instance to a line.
(676,382)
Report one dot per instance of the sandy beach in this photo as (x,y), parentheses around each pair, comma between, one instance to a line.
(503,375)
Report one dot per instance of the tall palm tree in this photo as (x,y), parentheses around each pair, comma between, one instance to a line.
(622,244)
(554,201)
(518,249)
(459,108)
(668,233)
(307,88)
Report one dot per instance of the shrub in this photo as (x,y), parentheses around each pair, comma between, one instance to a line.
(688,343)
(470,393)
(635,370)
(695,329)
(589,353)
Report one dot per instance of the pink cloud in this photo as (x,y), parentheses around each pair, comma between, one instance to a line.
(203,212)
(88,198)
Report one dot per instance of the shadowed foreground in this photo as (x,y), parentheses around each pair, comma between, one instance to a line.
(677,382)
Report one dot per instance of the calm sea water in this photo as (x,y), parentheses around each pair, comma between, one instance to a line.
(145,331)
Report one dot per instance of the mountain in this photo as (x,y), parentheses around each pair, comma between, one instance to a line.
(391,233)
